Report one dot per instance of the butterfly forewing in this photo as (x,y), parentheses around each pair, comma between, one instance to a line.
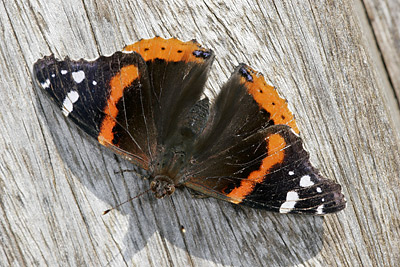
(109,98)
(249,155)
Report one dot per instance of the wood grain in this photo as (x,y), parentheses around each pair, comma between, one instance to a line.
(56,182)
(380,22)
(384,17)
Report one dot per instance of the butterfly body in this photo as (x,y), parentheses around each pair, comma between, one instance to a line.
(175,154)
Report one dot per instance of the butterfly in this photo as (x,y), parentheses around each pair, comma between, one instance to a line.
(147,103)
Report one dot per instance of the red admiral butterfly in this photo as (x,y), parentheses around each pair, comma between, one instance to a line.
(146,104)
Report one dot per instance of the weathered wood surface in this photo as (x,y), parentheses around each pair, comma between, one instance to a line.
(384,17)
(380,23)
(55,182)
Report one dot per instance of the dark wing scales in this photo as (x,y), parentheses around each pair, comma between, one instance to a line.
(244,105)
(177,73)
(245,158)
(110,98)
(291,185)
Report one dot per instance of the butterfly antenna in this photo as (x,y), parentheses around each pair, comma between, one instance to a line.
(128,200)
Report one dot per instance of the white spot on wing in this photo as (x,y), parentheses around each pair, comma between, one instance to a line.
(320,209)
(94,83)
(305,181)
(319,190)
(78,76)
(74,96)
(46,84)
(53,75)
(68,103)
(291,200)
(291,172)
(63,72)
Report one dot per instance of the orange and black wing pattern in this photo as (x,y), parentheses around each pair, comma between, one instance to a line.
(177,73)
(251,153)
(133,101)
(147,104)
(109,98)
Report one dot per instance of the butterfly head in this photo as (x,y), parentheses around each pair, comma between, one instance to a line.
(162,186)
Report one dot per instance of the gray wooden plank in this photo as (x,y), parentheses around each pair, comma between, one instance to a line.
(55,182)
(384,18)
(380,22)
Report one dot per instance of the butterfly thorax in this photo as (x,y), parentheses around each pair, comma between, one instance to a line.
(176,153)
(166,168)
(162,186)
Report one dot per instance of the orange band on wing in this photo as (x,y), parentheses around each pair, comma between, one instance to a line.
(118,83)
(172,49)
(276,154)
(268,98)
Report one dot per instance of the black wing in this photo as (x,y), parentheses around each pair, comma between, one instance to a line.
(110,98)
(251,153)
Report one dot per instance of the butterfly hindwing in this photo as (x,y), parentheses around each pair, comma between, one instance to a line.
(177,73)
